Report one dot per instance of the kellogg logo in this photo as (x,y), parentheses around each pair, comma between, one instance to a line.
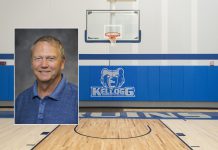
(112,81)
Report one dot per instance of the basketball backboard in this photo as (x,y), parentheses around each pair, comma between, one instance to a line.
(124,24)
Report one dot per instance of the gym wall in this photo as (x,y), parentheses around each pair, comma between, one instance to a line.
(181,33)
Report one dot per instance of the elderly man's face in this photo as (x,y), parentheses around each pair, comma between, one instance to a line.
(47,63)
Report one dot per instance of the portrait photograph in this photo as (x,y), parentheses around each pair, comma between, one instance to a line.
(46,76)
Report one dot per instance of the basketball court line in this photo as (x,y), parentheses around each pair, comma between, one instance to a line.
(129,137)
(21,136)
(45,136)
(110,130)
(182,129)
(199,134)
(179,135)
(176,134)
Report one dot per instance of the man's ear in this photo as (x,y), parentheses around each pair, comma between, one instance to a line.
(63,64)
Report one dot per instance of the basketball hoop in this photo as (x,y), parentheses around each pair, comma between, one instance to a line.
(112,37)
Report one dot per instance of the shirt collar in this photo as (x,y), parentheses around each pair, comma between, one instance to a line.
(56,94)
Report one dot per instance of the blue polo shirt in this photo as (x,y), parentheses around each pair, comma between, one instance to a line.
(61,107)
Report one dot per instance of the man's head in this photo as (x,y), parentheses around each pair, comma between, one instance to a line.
(48,59)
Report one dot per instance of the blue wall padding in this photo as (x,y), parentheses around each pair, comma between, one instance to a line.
(6,83)
(152,83)
(157,83)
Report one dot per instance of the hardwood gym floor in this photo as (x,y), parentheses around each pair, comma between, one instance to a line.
(122,133)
